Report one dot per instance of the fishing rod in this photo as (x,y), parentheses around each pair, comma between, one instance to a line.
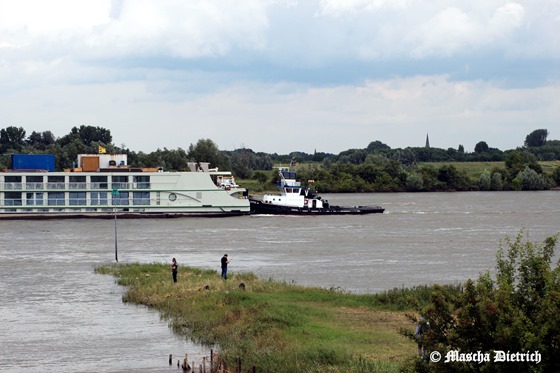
(166,262)
(157,251)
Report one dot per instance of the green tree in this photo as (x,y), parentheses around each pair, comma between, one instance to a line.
(485,181)
(87,135)
(205,150)
(517,160)
(354,156)
(242,161)
(536,138)
(414,182)
(497,182)
(169,159)
(449,175)
(529,179)
(481,147)
(67,154)
(90,134)
(376,146)
(12,138)
(556,175)
(261,177)
(429,176)
(514,311)
(41,140)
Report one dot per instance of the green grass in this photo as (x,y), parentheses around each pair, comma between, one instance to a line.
(277,326)
(475,169)
(549,166)
(472,169)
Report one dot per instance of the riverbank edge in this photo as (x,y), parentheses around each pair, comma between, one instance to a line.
(277,326)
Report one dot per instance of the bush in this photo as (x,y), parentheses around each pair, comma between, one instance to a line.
(513,312)
(414,182)
(529,179)
(485,181)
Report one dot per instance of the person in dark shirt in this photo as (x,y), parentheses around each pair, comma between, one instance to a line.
(421,330)
(174,266)
(225,262)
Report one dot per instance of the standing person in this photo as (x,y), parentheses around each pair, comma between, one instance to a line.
(225,262)
(420,332)
(174,266)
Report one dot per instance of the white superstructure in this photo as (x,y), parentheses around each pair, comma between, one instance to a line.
(292,194)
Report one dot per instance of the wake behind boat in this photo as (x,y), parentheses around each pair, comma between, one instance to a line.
(294,199)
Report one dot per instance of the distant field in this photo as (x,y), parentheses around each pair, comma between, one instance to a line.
(549,166)
(475,169)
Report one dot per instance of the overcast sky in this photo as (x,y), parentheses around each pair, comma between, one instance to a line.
(283,75)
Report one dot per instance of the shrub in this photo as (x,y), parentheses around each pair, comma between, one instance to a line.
(513,312)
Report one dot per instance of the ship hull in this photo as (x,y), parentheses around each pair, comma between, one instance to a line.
(119,191)
(258,207)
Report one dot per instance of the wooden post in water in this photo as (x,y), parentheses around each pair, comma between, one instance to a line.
(211,361)
(203,364)
(186,363)
(170,359)
(115,193)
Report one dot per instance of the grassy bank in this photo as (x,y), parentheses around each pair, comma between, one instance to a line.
(277,326)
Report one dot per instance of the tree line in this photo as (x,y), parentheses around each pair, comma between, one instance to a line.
(376,168)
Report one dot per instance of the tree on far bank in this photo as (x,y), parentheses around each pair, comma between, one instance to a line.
(536,138)
(206,150)
(12,138)
(517,160)
(481,147)
(528,179)
(376,146)
(41,140)
(87,135)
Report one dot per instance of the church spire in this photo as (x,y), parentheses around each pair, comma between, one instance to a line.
(427,141)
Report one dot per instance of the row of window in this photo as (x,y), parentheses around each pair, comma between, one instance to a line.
(76,199)
(75,182)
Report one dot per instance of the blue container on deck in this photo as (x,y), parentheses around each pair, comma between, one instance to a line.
(33,162)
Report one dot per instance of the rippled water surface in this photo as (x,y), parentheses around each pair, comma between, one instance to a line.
(57,315)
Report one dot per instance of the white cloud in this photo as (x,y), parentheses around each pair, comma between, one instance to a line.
(139,28)
(397,112)
(347,72)
(506,18)
(337,8)
(456,30)
(39,17)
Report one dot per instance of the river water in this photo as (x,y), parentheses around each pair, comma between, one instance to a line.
(57,315)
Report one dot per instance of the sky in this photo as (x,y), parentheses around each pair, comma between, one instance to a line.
(279,76)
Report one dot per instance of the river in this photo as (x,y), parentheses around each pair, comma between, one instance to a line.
(57,315)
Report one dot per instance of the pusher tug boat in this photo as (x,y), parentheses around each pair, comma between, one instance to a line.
(294,199)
